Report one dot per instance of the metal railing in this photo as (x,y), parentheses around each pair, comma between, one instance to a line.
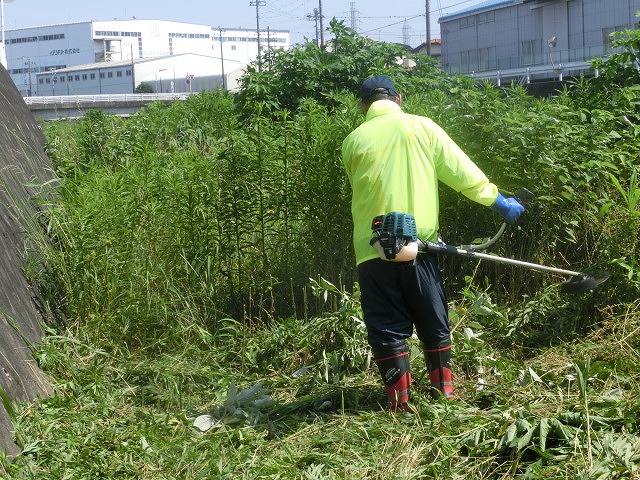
(105,98)
(550,56)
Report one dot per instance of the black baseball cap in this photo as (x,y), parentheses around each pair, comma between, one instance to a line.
(376,84)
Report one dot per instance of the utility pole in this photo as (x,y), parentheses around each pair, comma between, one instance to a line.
(28,81)
(3,51)
(258,4)
(428,17)
(315,18)
(133,71)
(224,80)
(54,79)
(321,24)
(268,55)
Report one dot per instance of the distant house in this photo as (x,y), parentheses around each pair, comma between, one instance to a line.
(436,48)
(529,40)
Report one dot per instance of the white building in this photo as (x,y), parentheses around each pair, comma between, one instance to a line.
(184,72)
(34,50)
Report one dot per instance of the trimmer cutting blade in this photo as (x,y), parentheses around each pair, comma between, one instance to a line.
(582,283)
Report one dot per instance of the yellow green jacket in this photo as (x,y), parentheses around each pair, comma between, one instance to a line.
(394,161)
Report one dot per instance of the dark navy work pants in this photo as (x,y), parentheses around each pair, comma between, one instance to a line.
(398,296)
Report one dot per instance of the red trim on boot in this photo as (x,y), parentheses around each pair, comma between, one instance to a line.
(398,394)
(396,377)
(441,380)
(442,349)
(402,354)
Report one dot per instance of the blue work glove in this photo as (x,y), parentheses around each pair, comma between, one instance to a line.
(509,208)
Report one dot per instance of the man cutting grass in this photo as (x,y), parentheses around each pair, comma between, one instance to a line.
(394,162)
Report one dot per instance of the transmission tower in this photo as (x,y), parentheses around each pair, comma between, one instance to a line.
(354,15)
(406,32)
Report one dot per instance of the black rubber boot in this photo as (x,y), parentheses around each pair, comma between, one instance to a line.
(393,364)
(438,362)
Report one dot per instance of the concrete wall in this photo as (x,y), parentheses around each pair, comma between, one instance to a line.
(23,166)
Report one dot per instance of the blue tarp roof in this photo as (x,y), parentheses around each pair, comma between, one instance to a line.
(474,8)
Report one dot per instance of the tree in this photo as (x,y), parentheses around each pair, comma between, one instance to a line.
(621,68)
(311,71)
(144,87)
(616,71)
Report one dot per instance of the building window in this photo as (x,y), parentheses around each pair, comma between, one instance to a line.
(487,58)
(468,21)
(606,34)
(101,74)
(77,78)
(119,73)
(62,78)
(189,35)
(108,33)
(128,72)
(531,52)
(70,78)
(487,17)
(21,40)
(468,61)
(92,76)
(109,74)
(84,76)
(57,36)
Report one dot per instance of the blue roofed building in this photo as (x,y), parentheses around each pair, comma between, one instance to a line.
(531,40)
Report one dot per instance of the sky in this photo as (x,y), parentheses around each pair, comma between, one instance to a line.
(383,20)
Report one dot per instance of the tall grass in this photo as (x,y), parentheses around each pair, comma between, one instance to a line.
(208,221)
(235,219)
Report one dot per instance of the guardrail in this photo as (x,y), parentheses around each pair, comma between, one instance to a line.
(540,72)
(105,98)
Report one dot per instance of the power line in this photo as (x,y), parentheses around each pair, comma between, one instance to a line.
(391,16)
(392,24)
(461,3)
(273,12)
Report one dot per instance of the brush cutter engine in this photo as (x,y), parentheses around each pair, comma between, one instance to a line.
(396,237)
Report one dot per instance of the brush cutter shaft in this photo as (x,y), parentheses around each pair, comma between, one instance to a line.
(451,250)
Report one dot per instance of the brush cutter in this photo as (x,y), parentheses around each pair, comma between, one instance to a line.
(396,240)
(578,283)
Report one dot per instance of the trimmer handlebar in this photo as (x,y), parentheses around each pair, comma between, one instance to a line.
(579,282)
(524,196)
